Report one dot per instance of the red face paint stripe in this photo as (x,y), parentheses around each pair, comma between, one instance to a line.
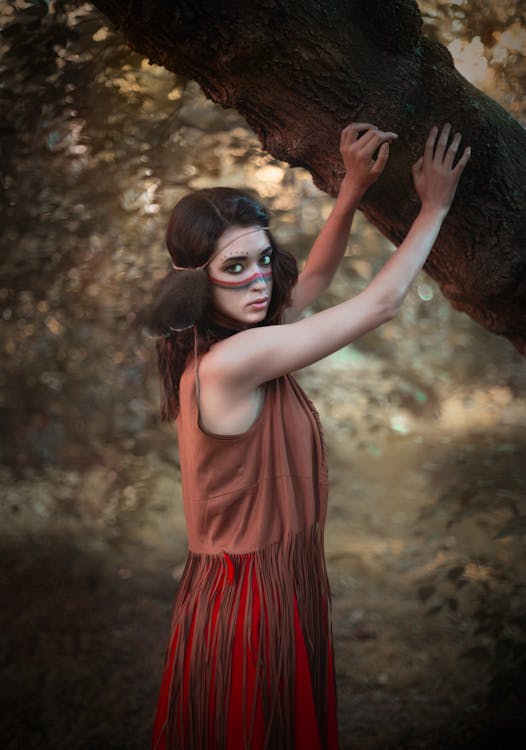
(241,284)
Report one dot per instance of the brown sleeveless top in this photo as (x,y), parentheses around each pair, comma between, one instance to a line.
(255,507)
(242,493)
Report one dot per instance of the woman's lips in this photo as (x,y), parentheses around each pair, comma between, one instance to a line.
(259,303)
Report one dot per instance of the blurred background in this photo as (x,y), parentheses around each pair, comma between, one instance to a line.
(425,418)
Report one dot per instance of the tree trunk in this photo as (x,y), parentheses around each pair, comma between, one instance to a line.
(300,71)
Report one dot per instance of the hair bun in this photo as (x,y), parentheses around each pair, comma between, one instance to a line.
(180,301)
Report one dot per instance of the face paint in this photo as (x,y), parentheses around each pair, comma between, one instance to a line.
(241,279)
(243,283)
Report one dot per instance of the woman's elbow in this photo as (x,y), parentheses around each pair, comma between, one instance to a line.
(389,309)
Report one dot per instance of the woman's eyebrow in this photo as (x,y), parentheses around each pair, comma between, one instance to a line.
(234,257)
(229,258)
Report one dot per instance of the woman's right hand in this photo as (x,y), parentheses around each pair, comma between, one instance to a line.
(434,176)
(361,168)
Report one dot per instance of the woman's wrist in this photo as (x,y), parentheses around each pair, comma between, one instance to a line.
(350,191)
(434,211)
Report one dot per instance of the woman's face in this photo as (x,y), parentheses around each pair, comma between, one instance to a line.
(241,274)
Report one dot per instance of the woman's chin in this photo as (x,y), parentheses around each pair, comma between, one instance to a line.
(256,316)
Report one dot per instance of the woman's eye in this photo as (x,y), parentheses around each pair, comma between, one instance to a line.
(266,260)
(234,268)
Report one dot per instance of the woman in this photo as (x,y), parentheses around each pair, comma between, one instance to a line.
(250,662)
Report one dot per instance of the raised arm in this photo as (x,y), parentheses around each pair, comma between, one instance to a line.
(361,169)
(257,355)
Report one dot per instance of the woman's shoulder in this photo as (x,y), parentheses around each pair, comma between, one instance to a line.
(223,357)
(217,366)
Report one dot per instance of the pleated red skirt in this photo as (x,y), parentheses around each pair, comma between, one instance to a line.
(306,729)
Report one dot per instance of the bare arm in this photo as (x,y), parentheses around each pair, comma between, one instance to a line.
(329,248)
(257,355)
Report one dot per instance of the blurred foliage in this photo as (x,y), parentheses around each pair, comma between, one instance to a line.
(90,133)
(487,41)
(493,602)
(480,590)
(97,146)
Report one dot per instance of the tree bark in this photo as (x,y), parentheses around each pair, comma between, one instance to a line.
(299,71)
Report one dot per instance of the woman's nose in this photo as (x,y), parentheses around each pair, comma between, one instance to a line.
(258,279)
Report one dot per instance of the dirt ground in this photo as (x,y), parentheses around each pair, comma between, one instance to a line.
(87,597)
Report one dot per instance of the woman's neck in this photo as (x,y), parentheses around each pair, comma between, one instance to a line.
(224,325)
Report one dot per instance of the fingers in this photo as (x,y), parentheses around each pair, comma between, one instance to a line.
(417,166)
(463,160)
(429,148)
(367,138)
(434,177)
(381,159)
(371,140)
(350,133)
(449,158)
(440,147)
(439,153)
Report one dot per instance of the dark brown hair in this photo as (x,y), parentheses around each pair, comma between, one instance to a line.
(195,225)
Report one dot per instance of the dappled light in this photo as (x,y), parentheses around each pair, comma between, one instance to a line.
(487,42)
(425,418)
(470,59)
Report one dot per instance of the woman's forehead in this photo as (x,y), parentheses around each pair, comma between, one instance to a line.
(241,241)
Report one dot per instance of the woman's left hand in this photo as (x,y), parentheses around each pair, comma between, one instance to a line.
(434,175)
(357,153)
